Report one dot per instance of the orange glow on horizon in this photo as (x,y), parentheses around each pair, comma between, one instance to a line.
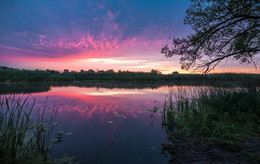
(105,60)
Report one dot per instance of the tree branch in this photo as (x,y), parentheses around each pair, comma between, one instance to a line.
(207,65)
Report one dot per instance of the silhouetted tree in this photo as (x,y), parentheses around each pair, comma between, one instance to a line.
(110,71)
(224,29)
(91,71)
(175,73)
(155,71)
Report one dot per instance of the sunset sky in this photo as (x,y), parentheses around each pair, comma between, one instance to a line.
(94,34)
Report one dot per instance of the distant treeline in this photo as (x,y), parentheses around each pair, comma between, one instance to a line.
(16,75)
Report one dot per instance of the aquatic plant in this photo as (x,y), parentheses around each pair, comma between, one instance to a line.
(25,130)
(220,115)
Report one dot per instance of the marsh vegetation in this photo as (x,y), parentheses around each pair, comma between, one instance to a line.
(220,115)
(25,130)
(216,120)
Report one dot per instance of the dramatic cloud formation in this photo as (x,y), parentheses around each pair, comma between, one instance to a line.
(92,34)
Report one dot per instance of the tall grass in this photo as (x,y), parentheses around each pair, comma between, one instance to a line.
(25,131)
(220,115)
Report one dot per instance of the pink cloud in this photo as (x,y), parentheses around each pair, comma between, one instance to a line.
(100,5)
(111,15)
(90,39)
(42,36)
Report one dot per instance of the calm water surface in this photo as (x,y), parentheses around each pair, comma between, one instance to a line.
(109,125)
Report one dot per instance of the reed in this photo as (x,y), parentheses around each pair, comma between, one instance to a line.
(25,130)
(225,116)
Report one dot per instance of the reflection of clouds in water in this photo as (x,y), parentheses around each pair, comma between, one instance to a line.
(155,101)
(106,125)
(113,92)
(102,110)
(106,105)
(108,92)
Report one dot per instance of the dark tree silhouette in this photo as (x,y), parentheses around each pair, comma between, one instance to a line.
(224,29)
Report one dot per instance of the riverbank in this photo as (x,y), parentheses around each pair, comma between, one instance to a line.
(186,149)
(213,125)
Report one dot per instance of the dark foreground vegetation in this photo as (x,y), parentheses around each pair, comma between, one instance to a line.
(25,130)
(16,75)
(218,116)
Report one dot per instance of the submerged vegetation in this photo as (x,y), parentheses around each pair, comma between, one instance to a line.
(25,131)
(223,116)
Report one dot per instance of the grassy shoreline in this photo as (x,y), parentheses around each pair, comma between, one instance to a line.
(218,115)
(213,125)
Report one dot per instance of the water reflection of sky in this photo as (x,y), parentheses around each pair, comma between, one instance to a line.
(109,125)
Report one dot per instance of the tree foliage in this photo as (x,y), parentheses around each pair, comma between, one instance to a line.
(224,29)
